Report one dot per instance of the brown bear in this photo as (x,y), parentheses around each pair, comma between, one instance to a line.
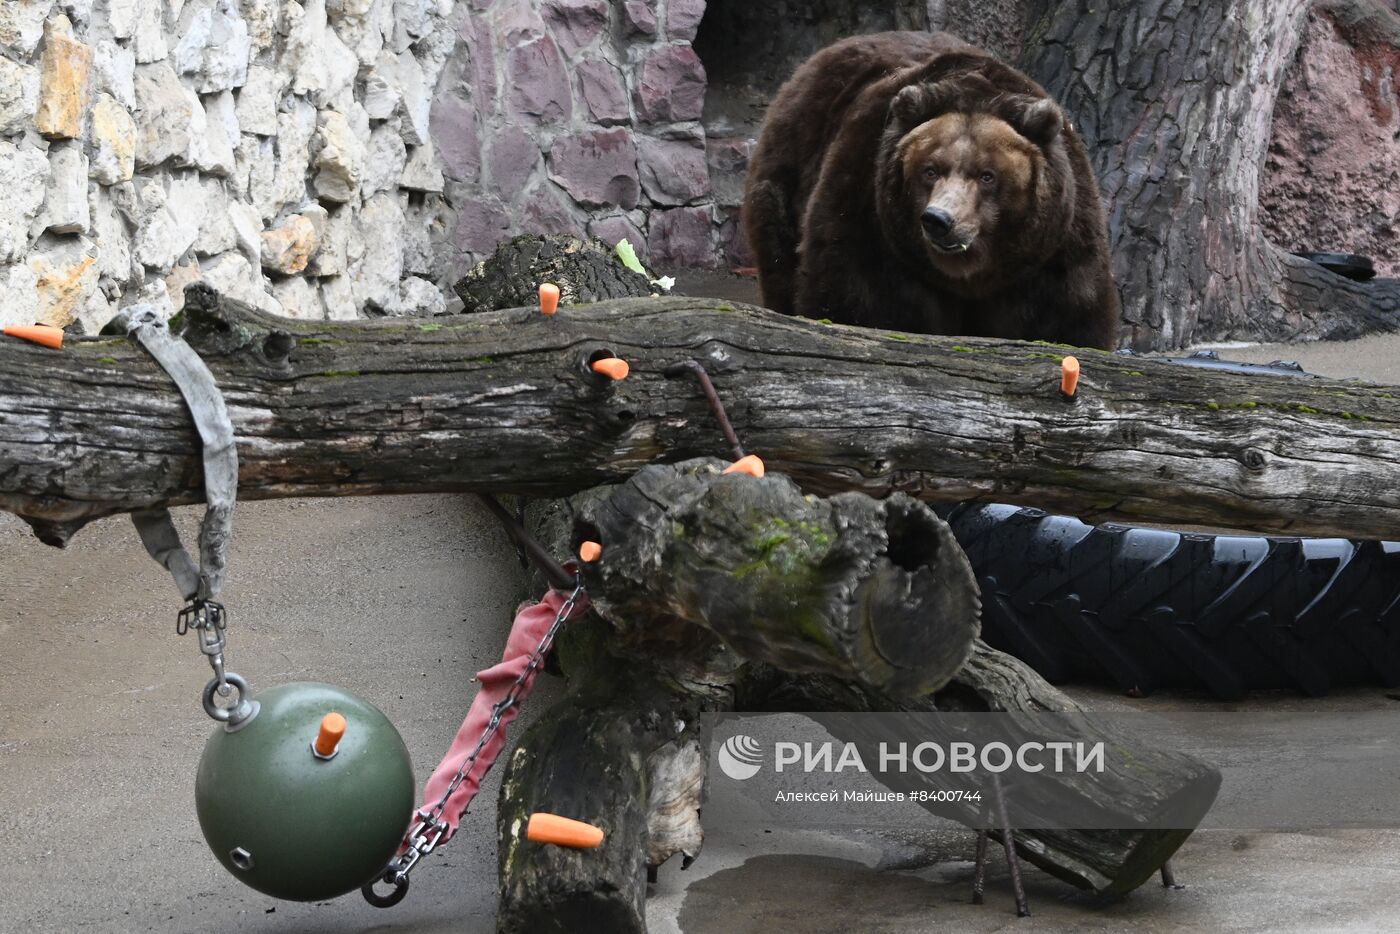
(909,181)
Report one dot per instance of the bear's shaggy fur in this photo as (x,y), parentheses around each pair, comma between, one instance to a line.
(874,133)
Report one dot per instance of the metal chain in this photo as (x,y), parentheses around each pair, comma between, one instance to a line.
(428,829)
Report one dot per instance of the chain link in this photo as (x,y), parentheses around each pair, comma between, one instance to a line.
(429,828)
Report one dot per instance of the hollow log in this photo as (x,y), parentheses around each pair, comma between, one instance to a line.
(1106,861)
(505,402)
(875,591)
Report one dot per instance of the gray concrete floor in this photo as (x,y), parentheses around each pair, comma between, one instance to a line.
(401,600)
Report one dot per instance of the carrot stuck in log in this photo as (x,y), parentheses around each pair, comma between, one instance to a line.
(1069,377)
(562,831)
(589,552)
(45,335)
(750,464)
(549,298)
(613,368)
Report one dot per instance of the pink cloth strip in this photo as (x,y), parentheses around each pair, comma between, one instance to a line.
(530,625)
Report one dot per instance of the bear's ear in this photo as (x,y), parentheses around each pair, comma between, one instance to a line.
(918,103)
(1038,119)
(910,104)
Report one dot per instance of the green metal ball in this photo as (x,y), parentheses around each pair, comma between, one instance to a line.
(291,824)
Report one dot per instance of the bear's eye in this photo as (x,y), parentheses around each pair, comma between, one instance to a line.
(988,178)
(930,175)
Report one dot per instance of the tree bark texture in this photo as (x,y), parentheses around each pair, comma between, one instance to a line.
(619,750)
(1175,101)
(505,402)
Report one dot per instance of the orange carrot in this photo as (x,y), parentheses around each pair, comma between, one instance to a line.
(43,334)
(750,465)
(561,831)
(328,737)
(611,367)
(549,298)
(1069,376)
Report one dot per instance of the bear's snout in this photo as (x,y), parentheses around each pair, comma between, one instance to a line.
(939,227)
(938,224)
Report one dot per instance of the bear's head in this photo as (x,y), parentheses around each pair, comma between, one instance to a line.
(975,182)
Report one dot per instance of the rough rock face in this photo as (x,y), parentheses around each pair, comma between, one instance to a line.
(147,144)
(1331,182)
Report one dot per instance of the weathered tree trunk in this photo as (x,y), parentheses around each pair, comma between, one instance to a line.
(1110,862)
(875,591)
(1175,100)
(504,402)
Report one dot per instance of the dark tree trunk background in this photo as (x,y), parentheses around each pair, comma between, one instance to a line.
(1175,100)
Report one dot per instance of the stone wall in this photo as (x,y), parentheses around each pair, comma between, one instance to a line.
(279,149)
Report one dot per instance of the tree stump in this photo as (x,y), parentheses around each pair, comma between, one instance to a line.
(584,270)
(622,751)
(704,603)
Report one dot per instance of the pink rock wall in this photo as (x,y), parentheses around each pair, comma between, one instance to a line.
(577,117)
(1332,177)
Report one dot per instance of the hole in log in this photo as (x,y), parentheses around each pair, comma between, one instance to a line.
(277,346)
(584,531)
(912,544)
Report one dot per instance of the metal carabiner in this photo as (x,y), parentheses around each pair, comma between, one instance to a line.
(399,880)
(422,838)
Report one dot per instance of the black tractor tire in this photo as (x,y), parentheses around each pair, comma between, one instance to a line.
(1147,608)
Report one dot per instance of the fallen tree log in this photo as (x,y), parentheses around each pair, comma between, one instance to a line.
(505,402)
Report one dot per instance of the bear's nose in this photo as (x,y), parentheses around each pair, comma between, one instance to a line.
(938,224)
